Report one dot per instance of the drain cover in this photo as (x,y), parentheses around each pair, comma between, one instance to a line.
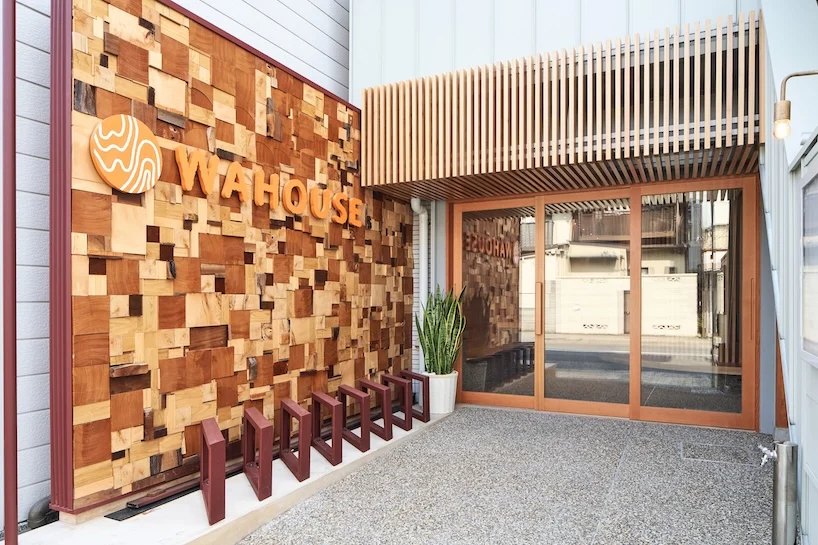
(727,454)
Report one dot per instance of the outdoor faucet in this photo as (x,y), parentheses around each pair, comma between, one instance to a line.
(768,454)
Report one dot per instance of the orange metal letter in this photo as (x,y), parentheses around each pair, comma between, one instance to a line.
(293,207)
(320,202)
(356,212)
(188,167)
(260,188)
(235,180)
(340,209)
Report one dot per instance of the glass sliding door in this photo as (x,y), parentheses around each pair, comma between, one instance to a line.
(637,302)
(692,268)
(497,271)
(587,301)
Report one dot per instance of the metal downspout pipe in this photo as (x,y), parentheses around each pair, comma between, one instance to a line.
(422,215)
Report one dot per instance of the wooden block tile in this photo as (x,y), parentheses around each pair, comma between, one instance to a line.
(92,443)
(90,384)
(126,410)
(172,312)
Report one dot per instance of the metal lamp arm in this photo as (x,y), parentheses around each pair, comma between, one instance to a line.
(783,94)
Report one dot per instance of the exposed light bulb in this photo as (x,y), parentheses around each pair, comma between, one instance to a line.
(782,129)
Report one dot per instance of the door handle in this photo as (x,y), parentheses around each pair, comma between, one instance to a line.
(538,310)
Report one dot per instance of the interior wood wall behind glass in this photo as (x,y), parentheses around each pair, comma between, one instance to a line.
(498,302)
(587,301)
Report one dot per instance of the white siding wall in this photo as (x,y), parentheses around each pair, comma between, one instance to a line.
(33,87)
(393,41)
(310,37)
(791,46)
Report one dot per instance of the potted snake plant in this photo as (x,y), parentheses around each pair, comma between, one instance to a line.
(440,331)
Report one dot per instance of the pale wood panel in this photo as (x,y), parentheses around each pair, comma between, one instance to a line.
(514,85)
(707,80)
(671,97)
(742,58)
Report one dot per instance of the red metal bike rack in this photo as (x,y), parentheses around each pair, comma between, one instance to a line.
(362,442)
(333,453)
(212,470)
(299,465)
(404,388)
(258,432)
(384,395)
(422,415)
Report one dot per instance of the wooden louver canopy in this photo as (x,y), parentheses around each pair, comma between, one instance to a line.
(677,104)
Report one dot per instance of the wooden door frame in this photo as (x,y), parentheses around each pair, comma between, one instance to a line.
(750,273)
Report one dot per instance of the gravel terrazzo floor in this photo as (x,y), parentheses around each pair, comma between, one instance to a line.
(488,476)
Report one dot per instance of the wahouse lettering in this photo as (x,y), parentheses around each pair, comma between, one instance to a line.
(490,246)
(293,197)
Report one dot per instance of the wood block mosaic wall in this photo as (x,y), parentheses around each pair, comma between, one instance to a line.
(491,279)
(187,305)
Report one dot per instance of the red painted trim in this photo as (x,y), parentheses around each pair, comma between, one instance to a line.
(207,24)
(60,351)
(9,273)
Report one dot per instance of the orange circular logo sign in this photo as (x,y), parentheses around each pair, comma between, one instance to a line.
(126,154)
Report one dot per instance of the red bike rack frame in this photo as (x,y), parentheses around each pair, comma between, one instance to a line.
(258,431)
(212,470)
(299,465)
(333,453)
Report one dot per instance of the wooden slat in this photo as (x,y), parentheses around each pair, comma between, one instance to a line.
(647,97)
(457,106)
(529,112)
(616,65)
(538,102)
(571,106)
(599,73)
(546,108)
(505,117)
(581,105)
(397,133)
(514,84)
(469,122)
(656,91)
(761,77)
(742,60)
(608,107)
(476,121)
(728,112)
(387,121)
(751,78)
(707,84)
(718,94)
(677,89)
(637,81)
(447,124)
(555,115)
(626,128)
(415,133)
(492,152)
(407,131)
(697,83)
(483,115)
(666,96)
(366,139)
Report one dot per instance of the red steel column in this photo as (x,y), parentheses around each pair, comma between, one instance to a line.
(9,274)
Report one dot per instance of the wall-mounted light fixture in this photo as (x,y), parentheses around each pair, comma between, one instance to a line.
(782,127)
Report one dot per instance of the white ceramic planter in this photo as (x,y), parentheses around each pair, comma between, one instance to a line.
(442,391)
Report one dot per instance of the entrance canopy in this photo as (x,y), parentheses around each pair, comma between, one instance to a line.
(682,103)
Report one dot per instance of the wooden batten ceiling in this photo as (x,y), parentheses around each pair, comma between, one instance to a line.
(672,105)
